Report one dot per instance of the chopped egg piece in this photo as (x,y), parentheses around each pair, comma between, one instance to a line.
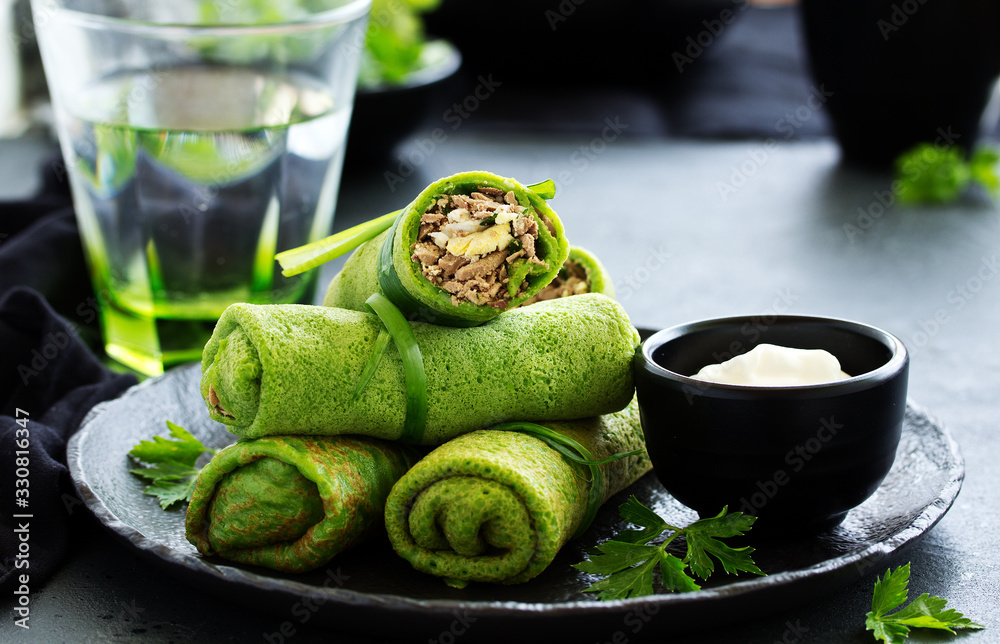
(459,214)
(441,239)
(506,216)
(457,229)
(481,243)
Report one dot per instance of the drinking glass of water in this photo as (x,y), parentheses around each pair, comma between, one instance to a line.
(200,137)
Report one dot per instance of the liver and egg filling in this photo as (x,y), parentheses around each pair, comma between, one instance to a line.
(467,243)
(571,280)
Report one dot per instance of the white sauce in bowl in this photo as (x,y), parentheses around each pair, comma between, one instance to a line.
(775,366)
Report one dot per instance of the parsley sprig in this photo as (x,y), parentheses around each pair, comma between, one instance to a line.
(628,560)
(923,612)
(170,464)
(931,174)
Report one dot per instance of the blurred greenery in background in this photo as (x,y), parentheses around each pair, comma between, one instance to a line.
(932,174)
(395,43)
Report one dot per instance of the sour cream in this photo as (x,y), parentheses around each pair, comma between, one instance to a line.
(773,365)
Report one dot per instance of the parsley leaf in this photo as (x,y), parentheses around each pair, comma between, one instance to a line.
(170,464)
(923,612)
(627,561)
(703,540)
(170,492)
(634,512)
(931,174)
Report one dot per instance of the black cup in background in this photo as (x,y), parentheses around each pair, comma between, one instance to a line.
(798,457)
(555,44)
(902,72)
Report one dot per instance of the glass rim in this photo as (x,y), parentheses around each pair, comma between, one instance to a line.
(338,15)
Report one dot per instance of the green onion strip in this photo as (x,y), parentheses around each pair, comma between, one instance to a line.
(413,365)
(299,260)
(575,453)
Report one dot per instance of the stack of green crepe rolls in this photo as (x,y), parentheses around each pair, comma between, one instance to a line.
(316,460)
(292,369)
(496,506)
(384,264)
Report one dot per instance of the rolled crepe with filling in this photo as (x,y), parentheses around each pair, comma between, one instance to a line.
(468,247)
(292,369)
(496,506)
(292,503)
(581,273)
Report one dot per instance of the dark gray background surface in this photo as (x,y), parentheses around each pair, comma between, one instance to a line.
(689,229)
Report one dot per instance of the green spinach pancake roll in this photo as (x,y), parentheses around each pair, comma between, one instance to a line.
(293,369)
(496,506)
(468,247)
(581,273)
(291,503)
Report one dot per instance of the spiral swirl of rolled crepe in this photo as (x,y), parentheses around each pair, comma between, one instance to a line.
(496,506)
(292,369)
(291,503)
(365,273)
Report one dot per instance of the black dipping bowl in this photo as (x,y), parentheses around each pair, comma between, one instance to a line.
(385,114)
(797,457)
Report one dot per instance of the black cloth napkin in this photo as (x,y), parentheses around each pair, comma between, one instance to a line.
(49,379)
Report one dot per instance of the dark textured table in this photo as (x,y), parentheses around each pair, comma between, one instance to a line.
(689,230)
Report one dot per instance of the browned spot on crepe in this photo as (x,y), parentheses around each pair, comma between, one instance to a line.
(213,400)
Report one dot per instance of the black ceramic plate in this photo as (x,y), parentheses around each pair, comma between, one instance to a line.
(372,591)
